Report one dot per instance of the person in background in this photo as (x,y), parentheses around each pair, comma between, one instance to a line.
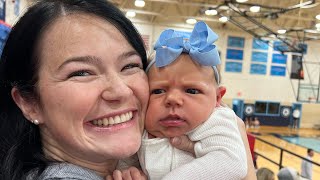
(306,166)
(265,174)
(255,160)
(296,115)
(256,122)
(251,122)
(289,173)
(185,98)
(247,122)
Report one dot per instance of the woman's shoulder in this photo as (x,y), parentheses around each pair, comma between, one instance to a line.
(65,171)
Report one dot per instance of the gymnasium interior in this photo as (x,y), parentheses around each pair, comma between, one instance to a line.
(270,65)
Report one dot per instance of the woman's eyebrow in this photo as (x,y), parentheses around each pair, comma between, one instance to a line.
(93,60)
(127,54)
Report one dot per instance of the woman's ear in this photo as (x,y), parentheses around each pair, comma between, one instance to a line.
(220,93)
(28,107)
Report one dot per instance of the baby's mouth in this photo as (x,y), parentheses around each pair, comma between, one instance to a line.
(172,117)
(172,121)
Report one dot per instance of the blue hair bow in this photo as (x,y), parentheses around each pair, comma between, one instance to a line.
(199,46)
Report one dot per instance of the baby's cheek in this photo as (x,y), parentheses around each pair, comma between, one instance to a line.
(149,121)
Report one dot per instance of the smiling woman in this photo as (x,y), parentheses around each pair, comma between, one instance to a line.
(73,90)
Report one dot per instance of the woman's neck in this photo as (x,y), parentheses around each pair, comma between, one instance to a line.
(101,168)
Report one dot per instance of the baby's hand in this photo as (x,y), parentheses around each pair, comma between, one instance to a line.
(131,173)
(183,143)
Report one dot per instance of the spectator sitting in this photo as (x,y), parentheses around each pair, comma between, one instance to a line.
(265,174)
(256,123)
(247,123)
(289,173)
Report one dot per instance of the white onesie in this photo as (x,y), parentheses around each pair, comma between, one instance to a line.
(220,152)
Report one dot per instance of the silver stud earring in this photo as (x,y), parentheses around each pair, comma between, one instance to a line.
(36,122)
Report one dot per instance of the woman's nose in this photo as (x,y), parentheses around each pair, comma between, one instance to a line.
(117,89)
(174,98)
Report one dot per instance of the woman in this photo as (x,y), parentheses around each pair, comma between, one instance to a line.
(73,93)
(78,93)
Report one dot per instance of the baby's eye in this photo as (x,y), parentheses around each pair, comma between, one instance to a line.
(132,65)
(192,91)
(79,73)
(157,91)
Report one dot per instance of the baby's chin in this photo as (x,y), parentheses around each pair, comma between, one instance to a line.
(166,134)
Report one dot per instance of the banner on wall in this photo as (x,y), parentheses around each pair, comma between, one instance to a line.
(280,46)
(278,71)
(260,44)
(234,54)
(279,58)
(233,67)
(258,69)
(257,56)
(2,10)
(236,42)
(296,67)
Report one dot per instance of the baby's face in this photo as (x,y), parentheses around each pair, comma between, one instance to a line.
(182,96)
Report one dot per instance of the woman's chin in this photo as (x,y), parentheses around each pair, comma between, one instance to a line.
(126,150)
(126,147)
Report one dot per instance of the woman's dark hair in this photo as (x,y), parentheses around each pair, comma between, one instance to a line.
(20,142)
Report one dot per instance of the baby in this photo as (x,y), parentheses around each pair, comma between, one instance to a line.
(185,98)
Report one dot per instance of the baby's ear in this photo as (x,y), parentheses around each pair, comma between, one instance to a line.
(221,91)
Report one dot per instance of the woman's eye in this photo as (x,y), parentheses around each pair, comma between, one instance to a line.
(79,73)
(157,91)
(192,91)
(132,65)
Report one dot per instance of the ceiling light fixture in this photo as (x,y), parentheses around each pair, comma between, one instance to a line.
(241,1)
(282,31)
(314,31)
(255,9)
(318,16)
(272,36)
(211,12)
(223,19)
(191,21)
(131,14)
(224,7)
(307,4)
(139,3)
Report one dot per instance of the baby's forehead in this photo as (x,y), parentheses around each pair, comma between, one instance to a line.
(182,67)
(184,62)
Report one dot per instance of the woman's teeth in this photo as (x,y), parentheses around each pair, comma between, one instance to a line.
(113,120)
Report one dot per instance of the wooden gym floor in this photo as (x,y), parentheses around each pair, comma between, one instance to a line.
(264,132)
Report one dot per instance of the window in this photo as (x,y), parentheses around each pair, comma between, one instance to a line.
(261,107)
(273,108)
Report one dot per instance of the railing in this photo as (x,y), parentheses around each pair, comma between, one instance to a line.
(279,164)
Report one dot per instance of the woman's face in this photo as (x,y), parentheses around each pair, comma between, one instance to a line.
(93,91)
